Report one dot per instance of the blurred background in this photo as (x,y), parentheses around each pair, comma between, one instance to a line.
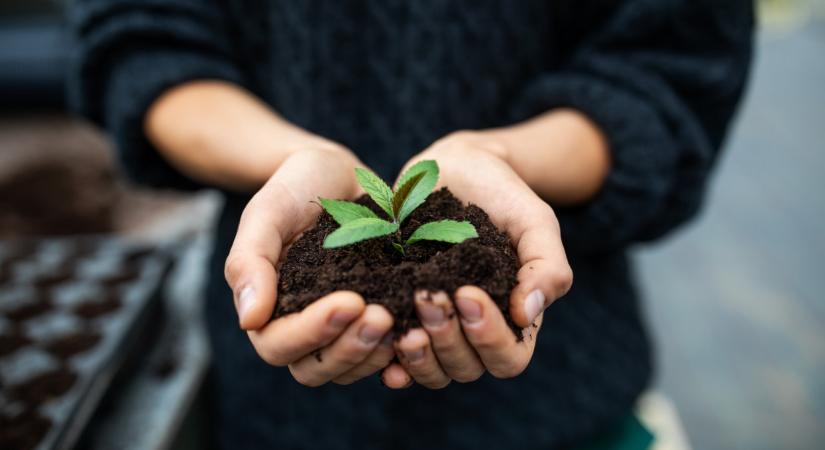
(734,299)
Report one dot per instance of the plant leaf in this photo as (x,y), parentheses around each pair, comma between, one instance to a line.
(450,231)
(359,230)
(421,190)
(403,192)
(398,247)
(344,212)
(376,188)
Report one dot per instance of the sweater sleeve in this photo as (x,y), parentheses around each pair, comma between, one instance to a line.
(661,79)
(128,53)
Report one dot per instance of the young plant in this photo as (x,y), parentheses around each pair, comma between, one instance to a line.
(359,223)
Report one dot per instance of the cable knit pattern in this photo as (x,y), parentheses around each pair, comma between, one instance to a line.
(661,78)
(128,53)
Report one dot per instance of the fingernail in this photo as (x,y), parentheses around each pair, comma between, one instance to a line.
(533,305)
(341,319)
(245,301)
(470,309)
(414,355)
(431,315)
(370,334)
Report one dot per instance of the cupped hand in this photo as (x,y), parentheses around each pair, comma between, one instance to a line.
(463,346)
(337,338)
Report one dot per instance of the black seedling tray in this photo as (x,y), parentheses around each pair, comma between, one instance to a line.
(71,312)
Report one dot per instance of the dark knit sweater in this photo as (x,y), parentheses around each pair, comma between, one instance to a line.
(386,78)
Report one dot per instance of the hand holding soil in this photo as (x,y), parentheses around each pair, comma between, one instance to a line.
(337,338)
(349,330)
(462,346)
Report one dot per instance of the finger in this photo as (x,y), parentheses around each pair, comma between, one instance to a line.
(419,361)
(253,288)
(396,377)
(350,349)
(545,274)
(377,360)
(266,223)
(274,216)
(288,338)
(457,358)
(491,337)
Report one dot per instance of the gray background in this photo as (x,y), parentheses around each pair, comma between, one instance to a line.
(735,300)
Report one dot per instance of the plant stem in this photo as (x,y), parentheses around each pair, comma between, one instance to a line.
(399,248)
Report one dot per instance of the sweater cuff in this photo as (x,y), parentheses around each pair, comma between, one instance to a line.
(644,159)
(120,96)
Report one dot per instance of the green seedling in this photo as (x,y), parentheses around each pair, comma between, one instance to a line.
(359,223)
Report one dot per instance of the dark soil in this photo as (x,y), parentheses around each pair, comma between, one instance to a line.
(91,309)
(382,275)
(29,206)
(73,344)
(125,275)
(9,343)
(44,387)
(30,310)
(58,276)
(22,431)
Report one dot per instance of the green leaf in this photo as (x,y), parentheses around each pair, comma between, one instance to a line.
(421,190)
(359,230)
(344,212)
(376,188)
(450,231)
(398,247)
(403,192)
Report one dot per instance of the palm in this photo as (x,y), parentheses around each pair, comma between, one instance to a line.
(274,217)
(475,170)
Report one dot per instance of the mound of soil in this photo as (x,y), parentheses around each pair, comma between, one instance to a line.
(44,387)
(23,431)
(93,308)
(127,274)
(73,344)
(58,276)
(10,342)
(85,204)
(382,275)
(28,311)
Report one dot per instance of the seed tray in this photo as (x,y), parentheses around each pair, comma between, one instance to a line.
(73,311)
(160,395)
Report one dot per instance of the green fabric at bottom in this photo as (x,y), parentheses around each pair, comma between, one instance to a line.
(630,434)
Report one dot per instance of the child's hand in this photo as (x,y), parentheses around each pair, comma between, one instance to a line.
(348,334)
(474,167)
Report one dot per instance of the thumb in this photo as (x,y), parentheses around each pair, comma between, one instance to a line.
(268,221)
(273,217)
(545,275)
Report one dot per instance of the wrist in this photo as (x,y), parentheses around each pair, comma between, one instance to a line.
(562,155)
(222,135)
(317,170)
(294,140)
(464,141)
